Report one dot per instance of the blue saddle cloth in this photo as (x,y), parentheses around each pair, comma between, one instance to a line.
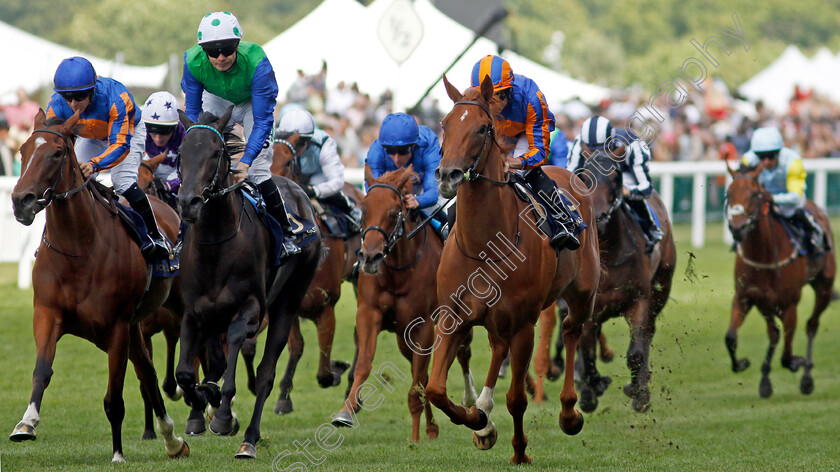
(335,220)
(569,209)
(641,218)
(304,230)
(162,267)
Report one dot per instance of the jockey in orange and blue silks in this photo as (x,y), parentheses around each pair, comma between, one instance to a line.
(526,123)
(107,120)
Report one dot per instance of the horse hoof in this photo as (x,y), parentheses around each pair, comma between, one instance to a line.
(338,368)
(807,385)
(484,443)
(23,432)
(118,458)
(588,400)
(575,428)
(518,460)
(741,365)
(177,395)
(602,384)
(283,406)
(225,428)
(794,363)
(629,390)
(553,373)
(765,389)
(149,435)
(184,452)
(195,427)
(342,419)
(483,419)
(607,355)
(432,431)
(246,451)
(640,406)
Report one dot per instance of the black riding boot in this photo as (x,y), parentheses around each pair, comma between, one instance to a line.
(653,234)
(813,231)
(276,208)
(140,203)
(348,207)
(563,237)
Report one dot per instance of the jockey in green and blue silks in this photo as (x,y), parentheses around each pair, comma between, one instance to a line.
(221,70)
(107,120)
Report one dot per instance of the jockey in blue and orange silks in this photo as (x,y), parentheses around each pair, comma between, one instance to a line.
(107,120)
(526,123)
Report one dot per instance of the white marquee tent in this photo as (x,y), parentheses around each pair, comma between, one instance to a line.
(31,62)
(344,34)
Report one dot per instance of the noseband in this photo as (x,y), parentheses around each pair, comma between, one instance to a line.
(603,217)
(738,209)
(214,189)
(49,194)
(472,173)
(399,228)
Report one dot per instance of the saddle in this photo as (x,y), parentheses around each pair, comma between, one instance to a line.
(807,241)
(336,221)
(305,231)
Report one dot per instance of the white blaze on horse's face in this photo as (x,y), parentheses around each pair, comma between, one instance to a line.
(38,143)
(466,112)
(735,210)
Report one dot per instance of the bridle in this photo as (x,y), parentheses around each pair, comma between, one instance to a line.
(215,188)
(49,194)
(472,173)
(738,209)
(399,228)
(605,216)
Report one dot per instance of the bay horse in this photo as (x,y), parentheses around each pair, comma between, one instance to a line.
(152,185)
(634,284)
(89,278)
(396,293)
(500,274)
(227,279)
(769,274)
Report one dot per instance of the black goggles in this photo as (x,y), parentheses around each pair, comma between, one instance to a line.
(225,50)
(76,95)
(767,155)
(160,129)
(401,150)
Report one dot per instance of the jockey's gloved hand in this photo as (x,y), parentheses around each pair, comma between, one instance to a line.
(310,192)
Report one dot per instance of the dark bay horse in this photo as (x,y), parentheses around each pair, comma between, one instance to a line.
(499,273)
(634,285)
(90,279)
(318,304)
(228,282)
(397,293)
(770,275)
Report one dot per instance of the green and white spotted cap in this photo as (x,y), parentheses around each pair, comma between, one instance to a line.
(218,26)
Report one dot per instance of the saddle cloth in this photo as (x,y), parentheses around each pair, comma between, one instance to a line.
(161,267)
(304,230)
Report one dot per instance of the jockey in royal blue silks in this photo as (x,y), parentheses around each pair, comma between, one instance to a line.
(160,132)
(784,176)
(107,121)
(221,71)
(597,135)
(402,142)
(526,123)
(319,167)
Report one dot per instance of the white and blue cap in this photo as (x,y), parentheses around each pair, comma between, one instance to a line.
(766,139)
(595,131)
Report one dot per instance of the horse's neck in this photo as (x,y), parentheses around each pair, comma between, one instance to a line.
(482,210)
(767,242)
(219,217)
(72,220)
(406,250)
(617,243)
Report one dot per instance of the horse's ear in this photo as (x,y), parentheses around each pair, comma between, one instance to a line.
(40,118)
(185,120)
(407,174)
(67,126)
(729,169)
(487,88)
(223,121)
(453,92)
(368,175)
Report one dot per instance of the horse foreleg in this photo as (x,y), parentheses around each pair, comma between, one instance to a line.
(592,385)
(144,368)
(571,420)
(740,308)
(444,356)
(638,355)
(522,345)
(47,331)
(148,413)
(765,388)
(225,422)
(170,385)
(789,318)
(417,401)
(464,355)
(823,287)
(118,346)
(192,339)
(486,437)
(329,372)
(368,325)
(284,403)
(542,362)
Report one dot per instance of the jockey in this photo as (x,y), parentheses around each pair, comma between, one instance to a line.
(320,169)
(221,71)
(558,149)
(402,142)
(107,121)
(598,135)
(526,123)
(161,132)
(783,176)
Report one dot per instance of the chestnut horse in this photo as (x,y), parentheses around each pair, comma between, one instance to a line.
(769,274)
(90,279)
(228,281)
(511,271)
(634,285)
(152,185)
(396,293)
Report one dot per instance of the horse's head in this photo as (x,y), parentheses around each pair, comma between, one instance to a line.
(602,175)
(48,166)
(746,200)
(205,165)
(146,173)
(468,135)
(383,217)
(285,150)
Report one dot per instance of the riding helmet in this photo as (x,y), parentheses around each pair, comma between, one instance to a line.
(161,109)
(398,129)
(497,68)
(74,74)
(596,131)
(219,26)
(766,139)
(297,120)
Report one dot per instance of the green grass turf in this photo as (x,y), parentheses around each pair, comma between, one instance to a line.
(703,416)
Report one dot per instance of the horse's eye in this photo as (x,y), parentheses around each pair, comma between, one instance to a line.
(58,153)
(482,129)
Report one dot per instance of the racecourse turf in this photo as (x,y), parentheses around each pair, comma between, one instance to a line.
(703,416)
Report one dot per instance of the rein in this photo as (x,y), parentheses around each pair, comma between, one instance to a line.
(738,209)
(608,214)
(393,237)
(49,194)
(214,189)
(471,173)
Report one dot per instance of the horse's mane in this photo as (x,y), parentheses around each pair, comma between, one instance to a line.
(54,121)
(206,117)
(392,178)
(495,107)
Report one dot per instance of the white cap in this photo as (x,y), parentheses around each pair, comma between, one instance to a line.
(218,26)
(297,120)
(161,109)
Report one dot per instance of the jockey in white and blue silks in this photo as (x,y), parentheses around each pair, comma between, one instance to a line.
(784,177)
(221,71)
(402,142)
(108,118)
(160,132)
(320,170)
(597,134)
